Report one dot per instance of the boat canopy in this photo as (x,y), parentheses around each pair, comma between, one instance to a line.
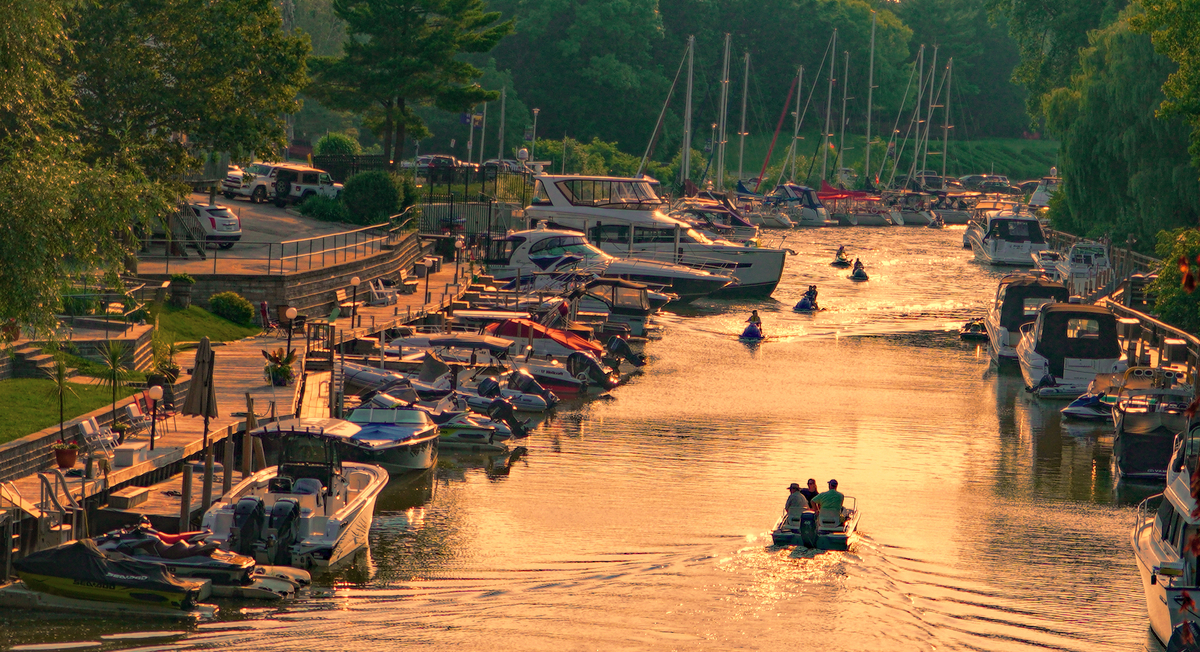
(1013,228)
(84,563)
(1078,331)
(519,329)
(620,293)
(1021,298)
(828,193)
(791,192)
(471,341)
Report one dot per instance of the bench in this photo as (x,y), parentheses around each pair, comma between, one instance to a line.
(406,285)
(348,307)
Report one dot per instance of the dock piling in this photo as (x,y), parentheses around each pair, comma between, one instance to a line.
(185,501)
(227,467)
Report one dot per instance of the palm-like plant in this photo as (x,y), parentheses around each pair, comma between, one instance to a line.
(113,358)
(279,366)
(59,375)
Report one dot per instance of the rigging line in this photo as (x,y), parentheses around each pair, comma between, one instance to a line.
(778,126)
(912,170)
(896,128)
(811,93)
(658,125)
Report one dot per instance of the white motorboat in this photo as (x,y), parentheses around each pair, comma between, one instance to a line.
(1148,412)
(716,219)
(525,255)
(1045,261)
(1045,190)
(624,218)
(312,510)
(1085,268)
(955,207)
(1063,350)
(1005,238)
(1018,299)
(830,530)
(1167,525)
(799,203)
(910,208)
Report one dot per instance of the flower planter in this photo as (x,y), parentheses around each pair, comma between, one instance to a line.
(181,295)
(66,457)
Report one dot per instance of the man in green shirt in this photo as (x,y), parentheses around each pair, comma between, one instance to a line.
(831,499)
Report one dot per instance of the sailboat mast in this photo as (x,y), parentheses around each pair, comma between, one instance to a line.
(842,117)
(724,110)
(828,108)
(796,121)
(946,124)
(920,97)
(685,168)
(870,90)
(929,114)
(742,131)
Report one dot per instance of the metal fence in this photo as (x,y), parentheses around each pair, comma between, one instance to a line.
(449,215)
(344,166)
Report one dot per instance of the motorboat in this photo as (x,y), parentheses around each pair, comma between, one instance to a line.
(973,330)
(910,208)
(80,570)
(1001,237)
(459,428)
(625,302)
(1085,268)
(955,207)
(1097,403)
(624,218)
(1018,299)
(1148,412)
(399,438)
(311,510)
(524,255)
(829,530)
(1045,190)
(856,208)
(717,219)
(799,203)
(189,556)
(1045,261)
(1163,533)
(1063,350)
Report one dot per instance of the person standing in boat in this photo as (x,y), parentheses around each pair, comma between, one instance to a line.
(796,504)
(832,499)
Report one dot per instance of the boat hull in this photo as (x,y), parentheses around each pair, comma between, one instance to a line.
(1143,456)
(79,590)
(415,455)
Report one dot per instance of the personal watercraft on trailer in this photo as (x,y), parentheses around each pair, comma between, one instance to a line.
(808,302)
(973,330)
(310,510)
(80,570)
(829,530)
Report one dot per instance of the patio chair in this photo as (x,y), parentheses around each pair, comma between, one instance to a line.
(166,410)
(138,421)
(269,325)
(98,441)
(380,295)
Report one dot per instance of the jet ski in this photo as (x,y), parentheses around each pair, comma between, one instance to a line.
(937,223)
(841,261)
(859,274)
(753,332)
(82,571)
(1093,406)
(973,330)
(808,302)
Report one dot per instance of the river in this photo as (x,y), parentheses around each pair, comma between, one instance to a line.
(642,521)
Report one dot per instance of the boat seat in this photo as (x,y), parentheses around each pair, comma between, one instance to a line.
(830,519)
(309,487)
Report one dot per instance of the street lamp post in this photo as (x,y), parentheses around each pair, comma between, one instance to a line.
(354,302)
(533,146)
(291,315)
(156,394)
(458,247)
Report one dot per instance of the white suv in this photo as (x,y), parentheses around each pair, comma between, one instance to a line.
(256,182)
(296,183)
(219,224)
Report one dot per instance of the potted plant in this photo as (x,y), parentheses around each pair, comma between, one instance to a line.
(165,349)
(279,366)
(119,430)
(65,453)
(181,289)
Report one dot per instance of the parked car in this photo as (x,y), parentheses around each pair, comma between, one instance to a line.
(296,183)
(437,161)
(219,224)
(998,185)
(1029,187)
(256,182)
(505,165)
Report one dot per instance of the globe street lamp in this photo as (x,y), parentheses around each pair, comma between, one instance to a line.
(156,394)
(354,302)
(533,147)
(291,315)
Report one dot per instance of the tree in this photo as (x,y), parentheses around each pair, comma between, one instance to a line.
(335,143)
(1174,26)
(404,53)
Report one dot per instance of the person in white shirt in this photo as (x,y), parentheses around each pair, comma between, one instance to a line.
(796,504)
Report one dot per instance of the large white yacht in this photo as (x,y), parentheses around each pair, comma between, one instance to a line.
(624,217)
(1068,345)
(1001,236)
(1085,267)
(1018,299)
(1163,533)
(526,255)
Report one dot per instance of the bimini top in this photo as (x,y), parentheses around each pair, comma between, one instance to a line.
(521,328)
(471,341)
(1074,330)
(1021,298)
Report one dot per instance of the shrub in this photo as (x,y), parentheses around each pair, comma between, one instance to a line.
(79,305)
(325,209)
(335,143)
(232,306)
(371,197)
(183,278)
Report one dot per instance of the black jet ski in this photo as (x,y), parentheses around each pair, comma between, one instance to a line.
(859,274)
(973,330)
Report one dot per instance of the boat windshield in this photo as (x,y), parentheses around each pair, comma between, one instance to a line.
(540,198)
(566,245)
(406,417)
(609,193)
(1016,231)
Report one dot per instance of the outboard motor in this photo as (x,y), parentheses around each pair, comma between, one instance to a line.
(281,534)
(586,368)
(488,387)
(502,410)
(808,529)
(249,516)
(524,382)
(619,349)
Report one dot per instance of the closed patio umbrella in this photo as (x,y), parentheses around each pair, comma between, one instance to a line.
(202,402)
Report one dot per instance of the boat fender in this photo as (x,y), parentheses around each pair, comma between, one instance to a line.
(248,520)
(808,529)
(296,576)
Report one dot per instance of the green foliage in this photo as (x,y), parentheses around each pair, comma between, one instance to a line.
(60,389)
(1125,171)
(335,143)
(112,356)
(279,366)
(1174,26)
(1173,303)
(371,197)
(26,409)
(232,306)
(326,209)
(182,278)
(192,323)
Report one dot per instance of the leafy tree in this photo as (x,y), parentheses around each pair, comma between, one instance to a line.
(1117,158)
(1174,26)
(1174,302)
(404,53)
(112,357)
(371,197)
(337,144)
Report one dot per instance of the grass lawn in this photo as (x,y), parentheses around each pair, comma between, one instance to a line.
(29,405)
(86,367)
(192,323)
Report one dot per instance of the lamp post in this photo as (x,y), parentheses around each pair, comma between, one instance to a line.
(533,146)
(291,315)
(458,247)
(354,302)
(156,394)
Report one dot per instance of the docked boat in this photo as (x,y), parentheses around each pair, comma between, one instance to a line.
(1045,261)
(399,438)
(910,208)
(1097,403)
(525,255)
(799,203)
(1045,190)
(312,510)
(1018,299)
(716,219)
(1162,537)
(955,207)
(1085,268)
(829,530)
(1005,238)
(80,570)
(624,218)
(1063,350)
(1148,412)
